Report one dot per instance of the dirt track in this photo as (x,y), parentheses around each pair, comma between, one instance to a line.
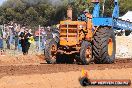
(32,72)
(32,75)
(55,68)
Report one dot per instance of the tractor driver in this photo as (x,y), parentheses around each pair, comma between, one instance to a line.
(89,25)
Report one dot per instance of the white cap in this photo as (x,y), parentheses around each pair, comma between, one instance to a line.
(48,27)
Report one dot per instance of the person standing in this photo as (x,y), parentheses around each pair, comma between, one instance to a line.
(16,30)
(43,38)
(8,38)
(11,40)
(24,40)
(1,39)
(1,46)
(49,34)
(4,38)
(19,39)
(1,42)
(37,39)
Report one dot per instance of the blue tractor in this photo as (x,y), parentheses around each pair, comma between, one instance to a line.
(103,39)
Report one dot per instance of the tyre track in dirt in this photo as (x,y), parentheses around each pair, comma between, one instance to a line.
(55,68)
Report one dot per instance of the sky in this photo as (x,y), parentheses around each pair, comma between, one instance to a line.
(1,1)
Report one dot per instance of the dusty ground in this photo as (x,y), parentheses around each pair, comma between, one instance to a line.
(21,59)
(123,46)
(61,75)
(63,79)
(31,71)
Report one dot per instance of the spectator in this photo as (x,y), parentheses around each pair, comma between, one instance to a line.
(4,38)
(49,33)
(11,34)
(43,38)
(8,38)
(19,39)
(15,33)
(1,43)
(4,34)
(37,38)
(24,36)
(30,31)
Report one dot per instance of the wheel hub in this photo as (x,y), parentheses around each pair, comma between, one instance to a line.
(88,54)
(110,46)
(53,51)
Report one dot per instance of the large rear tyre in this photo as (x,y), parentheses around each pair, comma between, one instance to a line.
(104,46)
(50,51)
(86,52)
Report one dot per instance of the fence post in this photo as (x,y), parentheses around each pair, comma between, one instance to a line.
(39,39)
(4,27)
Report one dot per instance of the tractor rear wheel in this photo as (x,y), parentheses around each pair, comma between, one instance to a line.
(50,51)
(104,46)
(86,52)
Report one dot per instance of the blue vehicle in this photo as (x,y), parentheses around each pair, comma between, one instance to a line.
(103,41)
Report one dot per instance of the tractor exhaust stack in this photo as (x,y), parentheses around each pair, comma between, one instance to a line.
(69,13)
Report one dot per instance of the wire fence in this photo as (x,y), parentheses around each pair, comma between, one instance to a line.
(35,47)
(14,52)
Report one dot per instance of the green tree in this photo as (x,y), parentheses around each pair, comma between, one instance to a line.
(31,16)
(10,14)
(50,12)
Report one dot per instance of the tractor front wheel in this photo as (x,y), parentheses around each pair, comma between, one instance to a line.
(50,51)
(86,52)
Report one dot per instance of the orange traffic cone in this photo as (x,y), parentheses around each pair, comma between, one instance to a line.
(84,73)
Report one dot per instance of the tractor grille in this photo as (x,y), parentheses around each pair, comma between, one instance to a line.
(68,31)
(68,35)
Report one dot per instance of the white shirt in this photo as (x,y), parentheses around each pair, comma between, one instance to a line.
(4,34)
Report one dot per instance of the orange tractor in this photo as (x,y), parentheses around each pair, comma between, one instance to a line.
(82,41)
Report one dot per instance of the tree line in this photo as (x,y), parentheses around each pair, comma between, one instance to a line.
(50,12)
